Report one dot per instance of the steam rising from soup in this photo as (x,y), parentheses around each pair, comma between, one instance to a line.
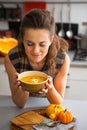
(33,79)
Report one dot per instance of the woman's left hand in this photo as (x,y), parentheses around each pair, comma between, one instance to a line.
(49,85)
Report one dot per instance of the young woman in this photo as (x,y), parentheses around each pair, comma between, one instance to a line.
(39,48)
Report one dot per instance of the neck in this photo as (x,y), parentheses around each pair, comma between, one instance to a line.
(38,65)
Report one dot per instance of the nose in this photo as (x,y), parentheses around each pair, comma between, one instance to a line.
(36,49)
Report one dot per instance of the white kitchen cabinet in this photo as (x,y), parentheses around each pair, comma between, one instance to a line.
(78,84)
(4,83)
(78,73)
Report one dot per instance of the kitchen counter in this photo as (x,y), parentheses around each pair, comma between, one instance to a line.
(9,110)
(76,63)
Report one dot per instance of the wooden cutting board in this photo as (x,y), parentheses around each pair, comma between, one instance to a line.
(31,117)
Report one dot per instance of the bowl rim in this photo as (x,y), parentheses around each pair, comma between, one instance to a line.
(35,72)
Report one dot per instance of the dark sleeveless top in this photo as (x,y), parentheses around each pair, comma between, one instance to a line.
(22,64)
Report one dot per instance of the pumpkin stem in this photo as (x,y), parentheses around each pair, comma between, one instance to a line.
(65,110)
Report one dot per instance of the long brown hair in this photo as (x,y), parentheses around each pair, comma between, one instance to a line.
(42,19)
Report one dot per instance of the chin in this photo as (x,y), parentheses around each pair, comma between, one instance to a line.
(36,60)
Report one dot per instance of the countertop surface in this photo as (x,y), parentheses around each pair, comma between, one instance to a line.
(76,63)
(9,110)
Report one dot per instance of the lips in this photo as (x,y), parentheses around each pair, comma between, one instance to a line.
(36,55)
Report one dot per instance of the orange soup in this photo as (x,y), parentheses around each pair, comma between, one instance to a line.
(33,79)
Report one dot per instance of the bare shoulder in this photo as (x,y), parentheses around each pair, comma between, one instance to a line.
(7,61)
(8,65)
(67,59)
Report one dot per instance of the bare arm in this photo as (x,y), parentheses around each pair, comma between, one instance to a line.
(18,95)
(56,90)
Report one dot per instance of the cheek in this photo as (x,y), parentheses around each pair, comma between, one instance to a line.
(45,50)
(27,50)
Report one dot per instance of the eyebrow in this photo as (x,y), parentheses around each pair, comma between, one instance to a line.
(29,41)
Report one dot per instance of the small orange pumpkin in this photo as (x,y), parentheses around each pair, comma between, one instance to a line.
(65,116)
(53,110)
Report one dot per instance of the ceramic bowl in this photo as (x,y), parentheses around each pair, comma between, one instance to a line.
(36,81)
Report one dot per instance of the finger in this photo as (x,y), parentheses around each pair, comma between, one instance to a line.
(41,92)
(45,90)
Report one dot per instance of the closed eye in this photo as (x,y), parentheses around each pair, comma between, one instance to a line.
(42,44)
(29,43)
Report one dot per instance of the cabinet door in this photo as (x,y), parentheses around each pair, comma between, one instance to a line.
(77,83)
(78,73)
(4,83)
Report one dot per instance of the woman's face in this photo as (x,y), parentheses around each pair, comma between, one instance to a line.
(36,44)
